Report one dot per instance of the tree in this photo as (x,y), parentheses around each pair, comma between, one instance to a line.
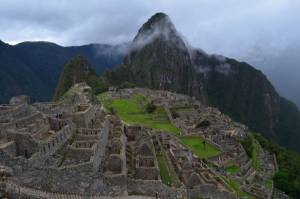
(150,107)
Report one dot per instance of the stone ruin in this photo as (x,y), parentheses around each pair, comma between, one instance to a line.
(76,149)
(218,130)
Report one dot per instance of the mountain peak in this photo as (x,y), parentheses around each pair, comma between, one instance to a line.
(157,18)
(158,26)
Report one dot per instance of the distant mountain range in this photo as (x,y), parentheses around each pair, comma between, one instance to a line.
(33,68)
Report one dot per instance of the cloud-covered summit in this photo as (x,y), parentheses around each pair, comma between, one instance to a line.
(158,26)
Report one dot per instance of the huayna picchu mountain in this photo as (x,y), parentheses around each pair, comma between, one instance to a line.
(75,71)
(159,58)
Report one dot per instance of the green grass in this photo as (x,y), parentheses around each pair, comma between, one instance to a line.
(195,143)
(183,109)
(233,169)
(269,183)
(253,149)
(168,176)
(255,155)
(236,187)
(132,111)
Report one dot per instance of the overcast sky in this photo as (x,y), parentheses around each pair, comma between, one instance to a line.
(229,27)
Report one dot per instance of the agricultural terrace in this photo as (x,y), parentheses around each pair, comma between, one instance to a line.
(132,111)
(201,148)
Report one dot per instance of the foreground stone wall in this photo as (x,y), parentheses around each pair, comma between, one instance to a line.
(50,146)
(77,179)
(209,191)
(101,146)
(157,188)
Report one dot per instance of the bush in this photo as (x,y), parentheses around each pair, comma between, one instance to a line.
(174,114)
(247,143)
(112,110)
(150,108)
(287,178)
(203,124)
(127,85)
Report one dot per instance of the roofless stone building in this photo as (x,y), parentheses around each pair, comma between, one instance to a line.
(74,148)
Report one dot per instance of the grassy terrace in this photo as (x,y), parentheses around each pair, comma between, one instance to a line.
(232,169)
(167,173)
(132,111)
(183,109)
(197,145)
(236,186)
(255,155)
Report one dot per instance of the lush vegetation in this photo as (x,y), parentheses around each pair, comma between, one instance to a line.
(133,111)
(167,174)
(150,107)
(78,70)
(252,148)
(233,169)
(201,148)
(287,178)
(247,143)
(237,188)
(203,124)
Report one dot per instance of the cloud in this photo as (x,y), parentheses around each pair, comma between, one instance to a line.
(231,27)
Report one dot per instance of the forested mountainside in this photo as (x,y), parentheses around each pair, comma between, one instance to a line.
(33,68)
(281,67)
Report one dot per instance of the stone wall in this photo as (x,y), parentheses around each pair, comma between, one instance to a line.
(117,179)
(209,191)
(157,188)
(79,153)
(10,148)
(83,118)
(25,146)
(77,179)
(17,164)
(101,145)
(49,147)
(9,111)
(147,172)
(23,122)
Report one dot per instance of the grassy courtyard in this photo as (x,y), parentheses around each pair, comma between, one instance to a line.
(196,144)
(132,111)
